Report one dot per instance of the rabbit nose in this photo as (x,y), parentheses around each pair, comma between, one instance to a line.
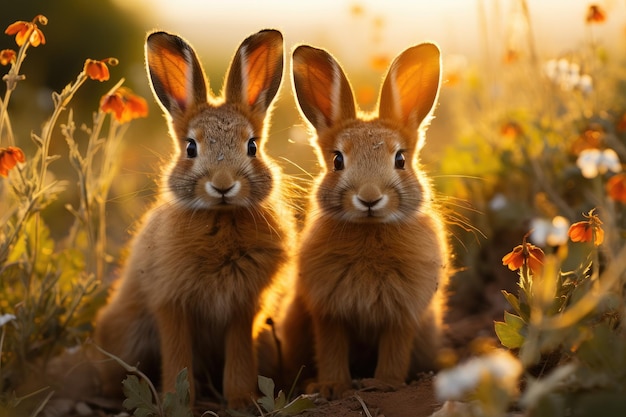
(369,204)
(222,185)
(218,191)
(369,197)
(222,191)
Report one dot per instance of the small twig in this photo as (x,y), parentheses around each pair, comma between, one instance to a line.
(257,405)
(295,381)
(134,370)
(43,404)
(360,400)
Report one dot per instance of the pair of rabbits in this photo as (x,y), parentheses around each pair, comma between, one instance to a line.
(363,283)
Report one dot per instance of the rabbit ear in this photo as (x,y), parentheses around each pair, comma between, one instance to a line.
(411,87)
(323,91)
(175,73)
(256,71)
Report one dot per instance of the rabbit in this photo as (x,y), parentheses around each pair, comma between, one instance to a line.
(373,256)
(208,254)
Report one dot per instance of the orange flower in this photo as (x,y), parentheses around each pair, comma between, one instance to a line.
(595,14)
(98,70)
(124,105)
(511,130)
(28,31)
(7,56)
(9,157)
(616,188)
(511,56)
(588,230)
(379,62)
(525,254)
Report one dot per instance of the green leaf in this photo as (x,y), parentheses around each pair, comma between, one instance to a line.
(508,333)
(516,321)
(138,397)
(267,403)
(266,385)
(513,301)
(281,400)
(182,386)
(177,404)
(298,405)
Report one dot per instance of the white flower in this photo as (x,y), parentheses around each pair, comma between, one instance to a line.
(549,232)
(498,202)
(457,382)
(585,84)
(5,318)
(594,161)
(568,75)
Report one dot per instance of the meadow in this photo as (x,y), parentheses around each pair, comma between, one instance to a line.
(531,183)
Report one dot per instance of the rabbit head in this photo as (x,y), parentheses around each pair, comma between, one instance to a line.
(219,160)
(371,167)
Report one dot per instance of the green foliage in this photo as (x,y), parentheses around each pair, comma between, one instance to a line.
(139,398)
(279,405)
(142,399)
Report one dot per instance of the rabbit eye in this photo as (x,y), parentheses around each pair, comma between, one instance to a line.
(400,160)
(338,161)
(192,148)
(252,147)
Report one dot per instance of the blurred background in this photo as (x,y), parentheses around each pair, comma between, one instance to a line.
(497,84)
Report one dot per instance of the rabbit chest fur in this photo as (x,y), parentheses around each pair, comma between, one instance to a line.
(215,263)
(371,280)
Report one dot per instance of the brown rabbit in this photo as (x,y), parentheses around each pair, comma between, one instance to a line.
(210,249)
(372,260)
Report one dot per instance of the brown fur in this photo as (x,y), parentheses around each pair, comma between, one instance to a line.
(204,264)
(371,281)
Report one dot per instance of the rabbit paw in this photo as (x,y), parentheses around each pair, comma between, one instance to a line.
(373,384)
(241,403)
(330,390)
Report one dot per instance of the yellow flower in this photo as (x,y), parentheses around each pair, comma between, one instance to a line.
(124,105)
(7,56)
(587,231)
(9,157)
(525,254)
(28,31)
(357,10)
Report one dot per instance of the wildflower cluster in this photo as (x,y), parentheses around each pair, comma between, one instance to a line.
(46,285)
(568,75)
(548,148)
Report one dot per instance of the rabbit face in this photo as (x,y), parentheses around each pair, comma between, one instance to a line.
(372,173)
(221,163)
(370,177)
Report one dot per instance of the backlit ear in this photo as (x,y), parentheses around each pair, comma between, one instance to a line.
(411,87)
(175,73)
(256,71)
(322,89)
